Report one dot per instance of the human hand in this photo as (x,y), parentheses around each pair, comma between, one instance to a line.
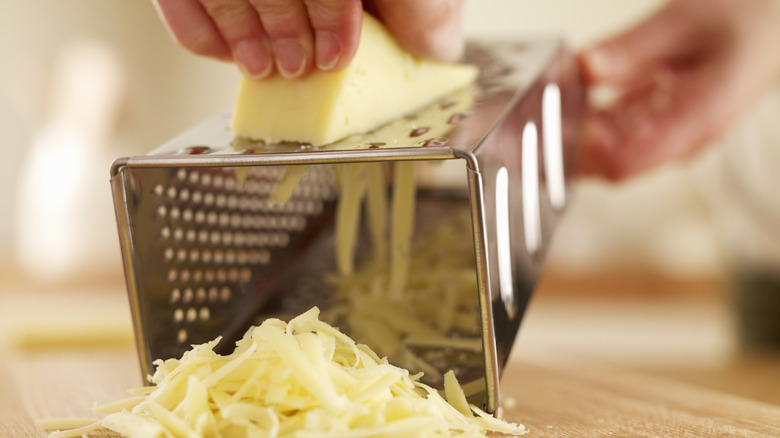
(683,75)
(293,37)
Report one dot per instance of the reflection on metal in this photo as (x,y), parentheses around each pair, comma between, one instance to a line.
(504,242)
(553,145)
(532,219)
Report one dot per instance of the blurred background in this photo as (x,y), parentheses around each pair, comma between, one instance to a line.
(639,272)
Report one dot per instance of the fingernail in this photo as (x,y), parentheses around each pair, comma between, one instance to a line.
(603,63)
(328,50)
(253,59)
(290,58)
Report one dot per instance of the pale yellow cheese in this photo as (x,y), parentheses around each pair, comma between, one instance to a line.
(287,380)
(382,83)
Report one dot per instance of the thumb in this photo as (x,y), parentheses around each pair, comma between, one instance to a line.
(656,39)
(430,29)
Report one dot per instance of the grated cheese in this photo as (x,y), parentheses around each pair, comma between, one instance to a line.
(299,379)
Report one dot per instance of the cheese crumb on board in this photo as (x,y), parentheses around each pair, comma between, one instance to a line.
(382,83)
(299,379)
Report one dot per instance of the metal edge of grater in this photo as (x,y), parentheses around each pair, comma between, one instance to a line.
(518,138)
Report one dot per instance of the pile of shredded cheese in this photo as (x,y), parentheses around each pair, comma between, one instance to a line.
(299,379)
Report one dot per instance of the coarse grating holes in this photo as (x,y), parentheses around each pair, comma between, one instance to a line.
(187,296)
(200,216)
(221,200)
(208,199)
(233,274)
(204,314)
(246,274)
(185,275)
(175,213)
(178,233)
(194,177)
(171,192)
(187,215)
(168,254)
(203,236)
(219,256)
(181,336)
(172,275)
(158,189)
(224,294)
(197,275)
(206,256)
(197,197)
(213,294)
(192,314)
(162,211)
(206,179)
(218,181)
(181,174)
(184,195)
(178,315)
(200,295)
(175,296)
(194,255)
(209,275)
(221,275)
(181,255)
(165,233)
(190,235)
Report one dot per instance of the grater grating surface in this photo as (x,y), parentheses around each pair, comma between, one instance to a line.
(206,254)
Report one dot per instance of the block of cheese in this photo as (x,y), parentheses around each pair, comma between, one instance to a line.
(383,82)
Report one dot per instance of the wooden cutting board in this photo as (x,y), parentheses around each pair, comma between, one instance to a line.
(554,398)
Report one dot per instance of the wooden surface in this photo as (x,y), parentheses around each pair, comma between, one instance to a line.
(554,398)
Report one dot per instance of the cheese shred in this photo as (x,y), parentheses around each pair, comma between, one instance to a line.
(299,379)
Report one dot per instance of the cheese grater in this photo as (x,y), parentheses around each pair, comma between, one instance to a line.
(207,254)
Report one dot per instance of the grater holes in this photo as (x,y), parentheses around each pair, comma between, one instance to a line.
(200,295)
(218,181)
(194,256)
(220,200)
(172,275)
(229,183)
(232,201)
(197,275)
(181,255)
(232,274)
(230,257)
(171,192)
(175,295)
(225,294)
(178,315)
(191,235)
(204,314)
(208,275)
(245,274)
(184,275)
(168,254)
(208,199)
(235,220)
(184,195)
(187,296)
(214,237)
(178,233)
(222,275)
(242,257)
(206,256)
(211,218)
(181,174)
(224,219)
(181,336)
(219,256)
(192,314)
(158,189)
(200,217)
(203,236)
(205,179)
(194,177)
(213,294)
(175,213)
(197,197)
(165,233)
(162,211)
(187,215)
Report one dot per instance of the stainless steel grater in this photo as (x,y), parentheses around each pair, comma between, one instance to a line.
(206,254)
